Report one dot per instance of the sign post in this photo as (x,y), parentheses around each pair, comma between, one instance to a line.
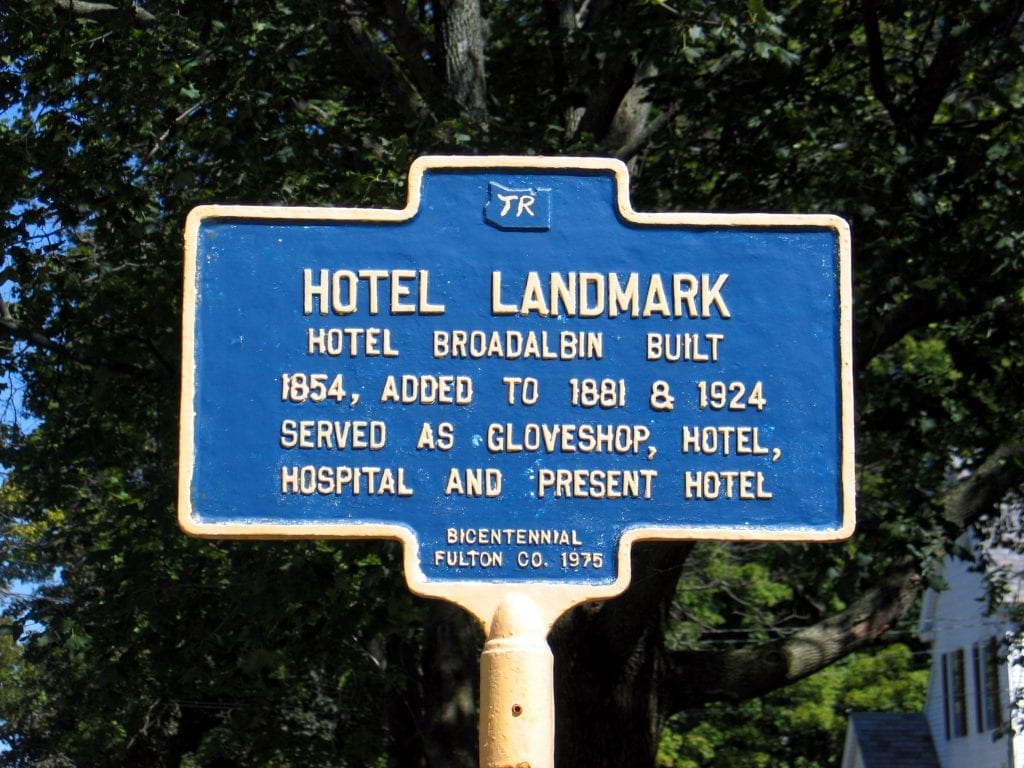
(517,376)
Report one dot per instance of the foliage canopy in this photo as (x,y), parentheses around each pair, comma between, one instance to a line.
(141,647)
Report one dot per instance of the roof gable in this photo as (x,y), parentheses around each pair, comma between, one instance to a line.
(893,740)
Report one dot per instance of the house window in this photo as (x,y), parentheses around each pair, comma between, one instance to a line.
(987,703)
(954,689)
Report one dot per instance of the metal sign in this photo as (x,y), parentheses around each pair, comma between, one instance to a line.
(517,375)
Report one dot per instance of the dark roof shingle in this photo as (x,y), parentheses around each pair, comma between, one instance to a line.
(894,740)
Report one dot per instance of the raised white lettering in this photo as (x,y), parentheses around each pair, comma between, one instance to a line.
(592,294)
(344,292)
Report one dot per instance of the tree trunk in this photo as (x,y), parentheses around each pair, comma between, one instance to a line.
(462,41)
(608,713)
(609,659)
(451,657)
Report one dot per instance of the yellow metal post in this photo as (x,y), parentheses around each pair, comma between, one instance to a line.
(517,699)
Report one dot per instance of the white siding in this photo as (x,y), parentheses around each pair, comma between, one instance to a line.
(1016,680)
(956,622)
(851,753)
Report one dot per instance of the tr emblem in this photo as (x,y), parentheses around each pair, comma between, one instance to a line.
(509,208)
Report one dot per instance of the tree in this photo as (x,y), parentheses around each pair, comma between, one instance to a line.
(802,725)
(145,648)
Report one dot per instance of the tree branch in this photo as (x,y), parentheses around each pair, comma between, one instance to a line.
(619,105)
(615,79)
(986,487)
(876,62)
(917,113)
(415,48)
(639,138)
(562,24)
(84,8)
(694,678)
(954,44)
(12,329)
(375,64)
(909,315)
(630,122)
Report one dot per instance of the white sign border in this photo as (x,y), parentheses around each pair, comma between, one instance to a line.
(482,598)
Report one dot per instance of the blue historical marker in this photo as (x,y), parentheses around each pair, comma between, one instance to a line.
(517,375)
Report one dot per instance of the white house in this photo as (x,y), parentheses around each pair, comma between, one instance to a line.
(975,677)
